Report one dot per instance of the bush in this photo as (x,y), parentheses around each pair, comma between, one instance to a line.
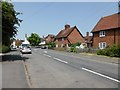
(51,45)
(113,51)
(4,49)
(73,49)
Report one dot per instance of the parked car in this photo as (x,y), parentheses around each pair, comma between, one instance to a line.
(25,48)
(43,47)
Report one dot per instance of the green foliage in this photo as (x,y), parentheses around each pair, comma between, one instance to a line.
(76,44)
(10,22)
(34,39)
(113,51)
(51,45)
(4,49)
(73,48)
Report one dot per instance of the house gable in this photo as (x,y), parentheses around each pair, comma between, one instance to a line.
(75,36)
(107,30)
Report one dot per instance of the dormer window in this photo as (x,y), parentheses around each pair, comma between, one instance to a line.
(102,33)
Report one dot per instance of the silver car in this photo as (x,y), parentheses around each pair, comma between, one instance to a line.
(25,48)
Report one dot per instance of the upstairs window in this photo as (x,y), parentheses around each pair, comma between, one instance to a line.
(102,33)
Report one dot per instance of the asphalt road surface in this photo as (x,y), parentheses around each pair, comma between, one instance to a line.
(54,69)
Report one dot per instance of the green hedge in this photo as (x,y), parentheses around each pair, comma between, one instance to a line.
(113,51)
(4,49)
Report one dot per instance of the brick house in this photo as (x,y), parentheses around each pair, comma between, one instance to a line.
(69,35)
(49,38)
(88,40)
(107,31)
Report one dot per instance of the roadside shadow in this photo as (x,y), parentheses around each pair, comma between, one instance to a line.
(13,57)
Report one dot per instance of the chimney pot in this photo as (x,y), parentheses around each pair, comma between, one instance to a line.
(87,33)
(67,26)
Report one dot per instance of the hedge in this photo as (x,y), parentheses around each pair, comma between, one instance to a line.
(113,51)
(4,49)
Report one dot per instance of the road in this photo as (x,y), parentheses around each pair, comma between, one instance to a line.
(13,71)
(54,69)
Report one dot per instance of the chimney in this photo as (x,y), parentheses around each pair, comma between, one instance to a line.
(67,26)
(87,33)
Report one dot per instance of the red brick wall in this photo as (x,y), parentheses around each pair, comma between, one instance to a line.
(48,39)
(75,37)
(109,38)
(60,42)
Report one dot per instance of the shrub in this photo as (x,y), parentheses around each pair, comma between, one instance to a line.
(51,45)
(4,49)
(113,51)
(73,49)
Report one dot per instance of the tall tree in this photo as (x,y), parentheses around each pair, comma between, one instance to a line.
(34,39)
(10,22)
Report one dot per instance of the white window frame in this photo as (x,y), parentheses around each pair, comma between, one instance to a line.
(62,45)
(56,45)
(62,39)
(57,40)
(102,45)
(102,34)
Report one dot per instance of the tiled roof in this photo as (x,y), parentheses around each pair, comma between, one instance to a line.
(108,22)
(64,33)
(88,39)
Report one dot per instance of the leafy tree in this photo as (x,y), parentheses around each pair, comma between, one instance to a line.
(51,45)
(10,22)
(34,39)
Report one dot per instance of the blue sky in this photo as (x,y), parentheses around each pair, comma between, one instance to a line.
(46,18)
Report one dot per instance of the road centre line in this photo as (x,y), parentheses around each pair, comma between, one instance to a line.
(88,70)
(47,55)
(60,60)
(101,75)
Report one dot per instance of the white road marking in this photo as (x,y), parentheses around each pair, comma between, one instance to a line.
(47,55)
(45,51)
(101,75)
(60,60)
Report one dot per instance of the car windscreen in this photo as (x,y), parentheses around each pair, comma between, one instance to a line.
(25,45)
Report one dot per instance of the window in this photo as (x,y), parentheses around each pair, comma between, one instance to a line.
(102,45)
(102,33)
(57,40)
(56,45)
(62,39)
(62,45)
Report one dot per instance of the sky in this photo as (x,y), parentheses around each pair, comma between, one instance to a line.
(46,18)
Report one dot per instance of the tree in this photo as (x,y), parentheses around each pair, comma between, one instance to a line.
(34,39)
(10,22)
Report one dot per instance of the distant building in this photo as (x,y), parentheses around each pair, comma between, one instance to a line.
(107,31)
(69,35)
(49,38)
(88,40)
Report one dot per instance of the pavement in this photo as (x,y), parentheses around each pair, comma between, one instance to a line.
(13,71)
(54,69)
